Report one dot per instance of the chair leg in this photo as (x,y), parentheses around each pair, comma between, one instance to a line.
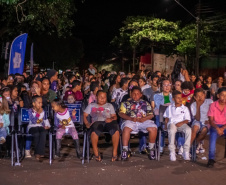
(159,144)
(17,151)
(84,148)
(87,147)
(12,150)
(50,148)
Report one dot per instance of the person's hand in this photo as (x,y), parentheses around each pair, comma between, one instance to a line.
(1,125)
(63,127)
(74,112)
(220,131)
(167,104)
(108,120)
(140,120)
(206,122)
(179,124)
(47,128)
(134,119)
(17,102)
(38,91)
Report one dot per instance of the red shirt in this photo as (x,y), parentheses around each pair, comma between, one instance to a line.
(186,95)
(78,95)
(219,116)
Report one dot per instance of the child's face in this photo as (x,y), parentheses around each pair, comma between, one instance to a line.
(6,94)
(15,92)
(37,104)
(186,91)
(178,99)
(70,99)
(126,85)
(79,87)
(141,83)
(177,85)
(45,85)
(55,107)
(222,97)
(200,96)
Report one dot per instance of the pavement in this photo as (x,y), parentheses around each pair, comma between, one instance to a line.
(138,170)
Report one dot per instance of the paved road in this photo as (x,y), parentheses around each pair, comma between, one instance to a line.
(137,171)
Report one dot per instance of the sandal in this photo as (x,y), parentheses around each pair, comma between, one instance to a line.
(114,158)
(98,158)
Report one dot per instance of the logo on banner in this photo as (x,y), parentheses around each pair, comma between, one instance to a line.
(17,60)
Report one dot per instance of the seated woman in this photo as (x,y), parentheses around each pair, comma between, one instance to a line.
(103,119)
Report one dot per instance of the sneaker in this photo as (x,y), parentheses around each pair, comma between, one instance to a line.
(161,149)
(173,156)
(201,149)
(27,154)
(210,163)
(2,140)
(151,153)
(181,150)
(197,149)
(186,156)
(125,154)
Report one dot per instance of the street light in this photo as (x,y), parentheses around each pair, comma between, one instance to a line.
(197,36)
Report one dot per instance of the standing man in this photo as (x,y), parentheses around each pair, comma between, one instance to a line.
(92,69)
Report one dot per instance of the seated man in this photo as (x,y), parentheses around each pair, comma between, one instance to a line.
(103,119)
(217,120)
(177,119)
(199,110)
(137,115)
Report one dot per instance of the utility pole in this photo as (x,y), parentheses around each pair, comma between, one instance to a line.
(198,39)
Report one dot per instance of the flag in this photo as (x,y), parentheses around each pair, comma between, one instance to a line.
(17,54)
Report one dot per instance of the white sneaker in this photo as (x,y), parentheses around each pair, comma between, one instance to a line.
(161,149)
(2,140)
(27,154)
(181,150)
(173,156)
(197,149)
(201,149)
(186,156)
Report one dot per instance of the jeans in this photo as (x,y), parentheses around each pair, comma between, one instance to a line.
(28,142)
(213,140)
(3,132)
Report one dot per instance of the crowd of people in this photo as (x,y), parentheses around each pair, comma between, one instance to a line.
(119,103)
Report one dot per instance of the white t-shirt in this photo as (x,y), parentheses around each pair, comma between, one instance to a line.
(177,114)
(181,77)
(65,115)
(203,110)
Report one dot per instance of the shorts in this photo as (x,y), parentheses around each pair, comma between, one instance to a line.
(101,126)
(200,125)
(139,127)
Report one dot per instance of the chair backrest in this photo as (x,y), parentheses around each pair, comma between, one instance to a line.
(162,110)
(78,107)
(23,116)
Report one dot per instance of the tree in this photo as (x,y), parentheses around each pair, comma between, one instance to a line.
(44,17)
(159,32)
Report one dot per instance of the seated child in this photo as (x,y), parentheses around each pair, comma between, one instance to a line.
(199,110)
(217,120)
(177,119)
(64,124)
(75,90)
(187,92)
(70,99)
(4,119)
(94,87)
(38,125)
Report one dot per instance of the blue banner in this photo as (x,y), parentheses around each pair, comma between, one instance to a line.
(17,54)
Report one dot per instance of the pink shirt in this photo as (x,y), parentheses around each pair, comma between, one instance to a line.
(219,116)
(92,98)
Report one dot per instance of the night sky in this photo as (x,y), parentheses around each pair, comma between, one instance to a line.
(98,21)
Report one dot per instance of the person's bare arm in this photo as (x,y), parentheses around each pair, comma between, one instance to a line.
(197,115)
(166,122)
(86,122)
(179,124)
(149,117)
(220,131)
(112,118)
(126,117)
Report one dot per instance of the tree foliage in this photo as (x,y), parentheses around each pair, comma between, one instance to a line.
(51,17)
